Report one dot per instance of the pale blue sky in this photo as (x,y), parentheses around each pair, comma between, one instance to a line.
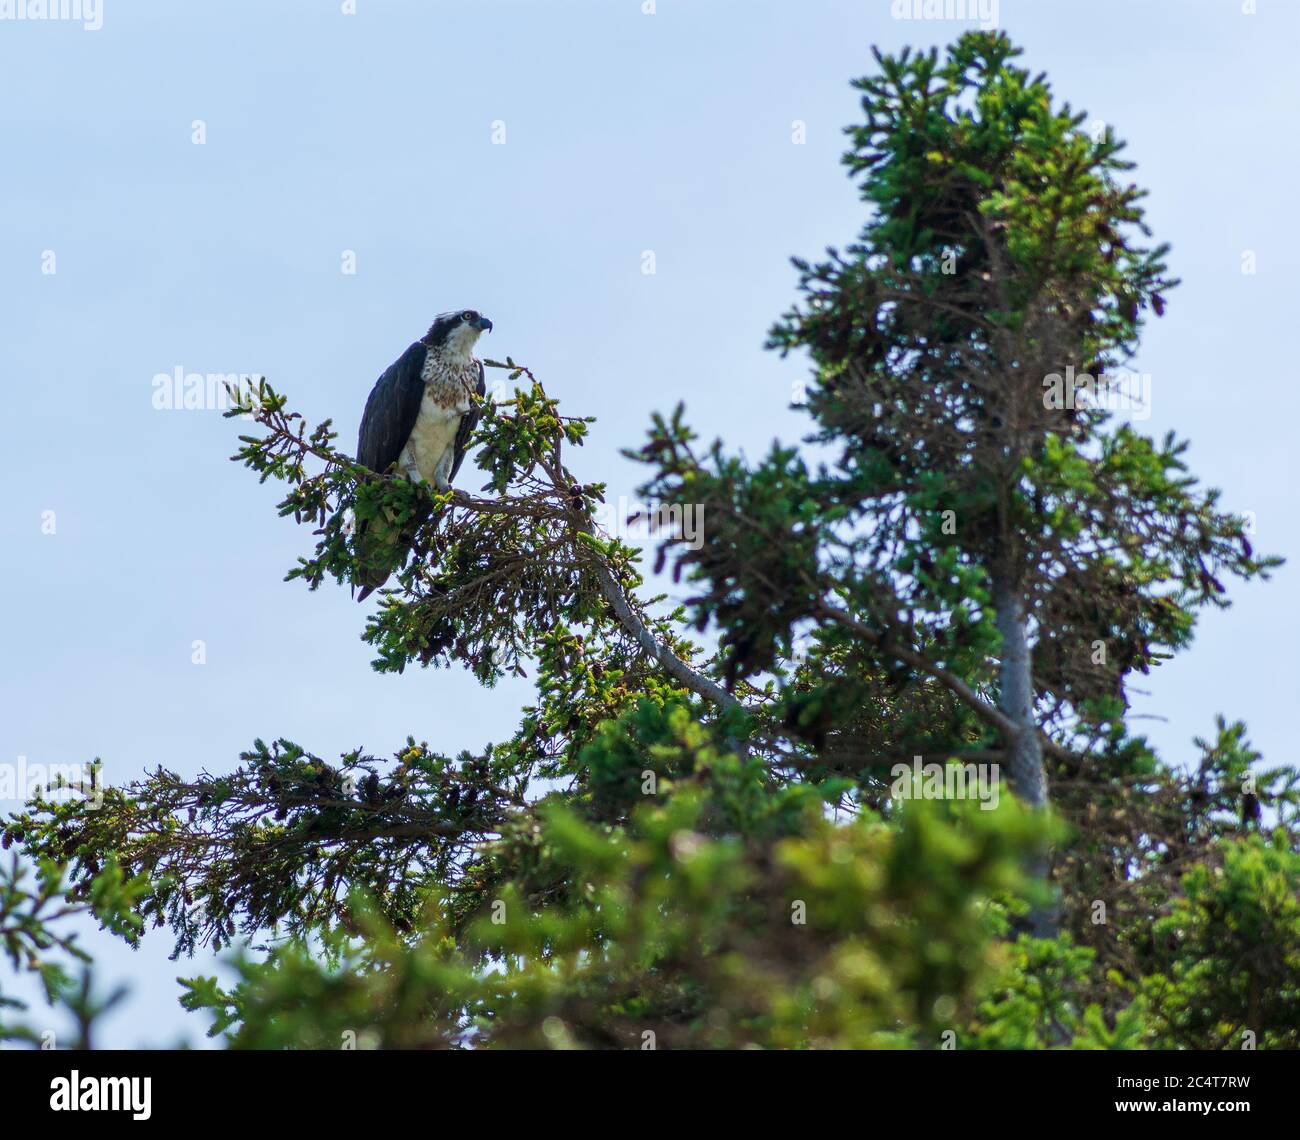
(624,133)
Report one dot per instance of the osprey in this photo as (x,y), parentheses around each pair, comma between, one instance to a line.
(420,413)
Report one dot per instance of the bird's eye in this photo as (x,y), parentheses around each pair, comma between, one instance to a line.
(469,315)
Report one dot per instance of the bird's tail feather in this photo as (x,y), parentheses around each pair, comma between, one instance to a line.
(382,552)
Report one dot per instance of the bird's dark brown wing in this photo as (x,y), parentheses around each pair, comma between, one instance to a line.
(391,410)
(386,425)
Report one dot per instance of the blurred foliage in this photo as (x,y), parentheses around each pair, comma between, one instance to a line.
(35,908)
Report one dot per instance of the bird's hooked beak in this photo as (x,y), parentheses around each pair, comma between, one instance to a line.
(483,324)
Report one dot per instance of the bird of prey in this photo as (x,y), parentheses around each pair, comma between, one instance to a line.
(421,414)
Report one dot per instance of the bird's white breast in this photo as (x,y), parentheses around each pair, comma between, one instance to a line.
(447,386)
(434,433)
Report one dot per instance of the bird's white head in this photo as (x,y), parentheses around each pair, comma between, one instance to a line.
(457,332)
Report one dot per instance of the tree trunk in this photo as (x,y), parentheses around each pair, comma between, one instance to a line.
(1026,776)
(1017,701)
